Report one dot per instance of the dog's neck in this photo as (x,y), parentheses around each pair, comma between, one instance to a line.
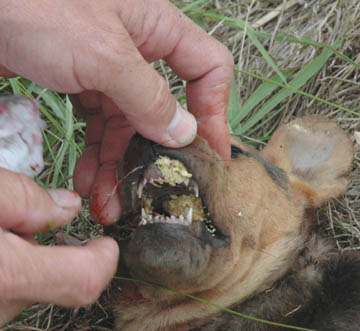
(136,313)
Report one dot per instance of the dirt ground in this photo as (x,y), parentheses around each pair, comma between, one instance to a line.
(325,21)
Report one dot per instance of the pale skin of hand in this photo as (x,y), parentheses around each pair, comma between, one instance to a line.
(64,275)
(99,51)
(83,46)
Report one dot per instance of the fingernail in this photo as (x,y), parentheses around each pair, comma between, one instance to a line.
(183,126)
(64,198)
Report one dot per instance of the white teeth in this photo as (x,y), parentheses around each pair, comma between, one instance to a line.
(196,189)
(141,187)
(150,219)
(143,222)
(187,221)
(189,216)
(152,182)
(186,181)
(140,190)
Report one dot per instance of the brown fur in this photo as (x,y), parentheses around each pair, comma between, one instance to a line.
(273,265)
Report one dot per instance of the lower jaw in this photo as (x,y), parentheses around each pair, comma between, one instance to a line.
(167,254)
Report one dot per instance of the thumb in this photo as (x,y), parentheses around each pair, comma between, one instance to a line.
(28,208)
(63,275)
(144,99)
(150,107)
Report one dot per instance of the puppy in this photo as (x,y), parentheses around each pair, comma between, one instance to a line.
(239,235)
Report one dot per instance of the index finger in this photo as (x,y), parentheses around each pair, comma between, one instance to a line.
(208,67)
(194,56)
(28,208)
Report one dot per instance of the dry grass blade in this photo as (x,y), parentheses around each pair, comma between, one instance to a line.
(286,326)
(274,13)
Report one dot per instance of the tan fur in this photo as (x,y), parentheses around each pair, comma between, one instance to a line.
(264,222)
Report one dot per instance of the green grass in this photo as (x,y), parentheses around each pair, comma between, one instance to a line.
(63,135)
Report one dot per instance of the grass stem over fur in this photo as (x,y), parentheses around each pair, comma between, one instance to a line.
(213,304)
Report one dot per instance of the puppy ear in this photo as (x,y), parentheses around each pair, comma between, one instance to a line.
(315,153)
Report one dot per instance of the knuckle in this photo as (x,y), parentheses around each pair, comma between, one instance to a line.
(226,62)
(228,57)
(222,58)
(229,63)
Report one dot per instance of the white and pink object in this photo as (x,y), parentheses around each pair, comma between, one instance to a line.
(20,135)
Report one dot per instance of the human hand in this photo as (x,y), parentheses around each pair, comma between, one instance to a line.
(63,275)
(86,46)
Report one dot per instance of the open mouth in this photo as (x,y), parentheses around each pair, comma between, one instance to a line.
(165,192)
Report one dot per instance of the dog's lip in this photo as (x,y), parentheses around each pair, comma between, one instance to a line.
(148,178)
(147,182)
(142,179)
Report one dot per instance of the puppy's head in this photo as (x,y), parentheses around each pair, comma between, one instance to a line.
(195,223)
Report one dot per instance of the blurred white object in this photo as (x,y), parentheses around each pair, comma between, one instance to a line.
(20,135)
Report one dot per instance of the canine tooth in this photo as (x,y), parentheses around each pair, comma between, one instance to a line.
(142,222)
(143,213)
(189,215)
(196,189)
(152,182)
(140,188)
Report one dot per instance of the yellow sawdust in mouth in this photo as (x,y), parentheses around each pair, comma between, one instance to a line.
(173,171)
(180,205)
